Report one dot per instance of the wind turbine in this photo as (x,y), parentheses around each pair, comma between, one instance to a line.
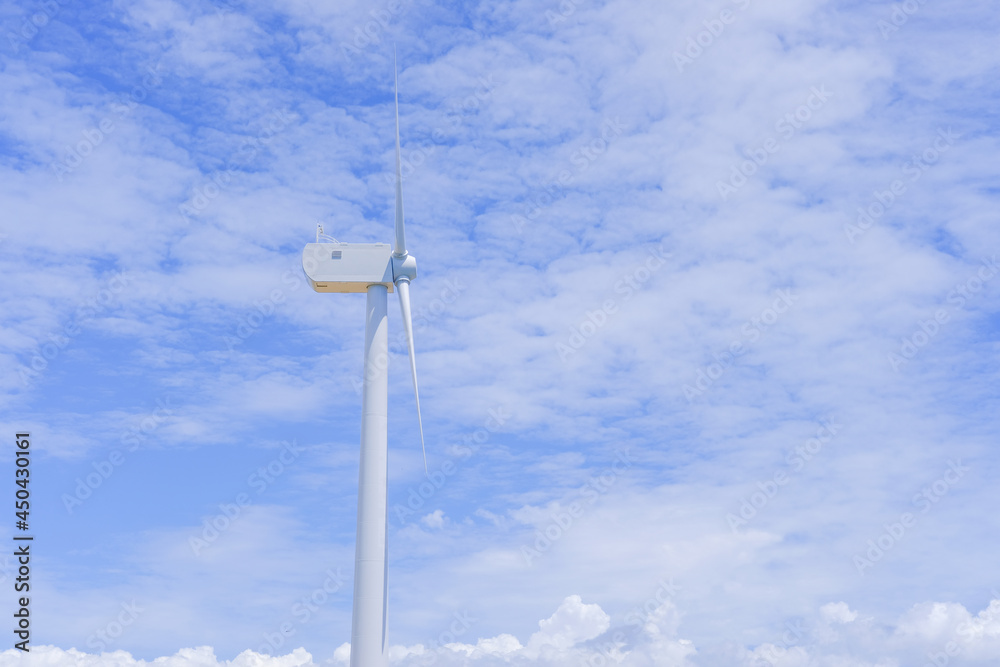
(374,269)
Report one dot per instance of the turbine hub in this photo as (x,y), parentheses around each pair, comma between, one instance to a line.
(404,267)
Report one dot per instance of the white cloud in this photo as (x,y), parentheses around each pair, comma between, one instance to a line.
(203,656)
(837,612)
(433,520)
(580,634)
(572,623)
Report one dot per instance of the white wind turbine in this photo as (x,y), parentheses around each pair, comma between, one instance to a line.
(374,269)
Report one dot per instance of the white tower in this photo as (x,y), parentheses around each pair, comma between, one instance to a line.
(375,269)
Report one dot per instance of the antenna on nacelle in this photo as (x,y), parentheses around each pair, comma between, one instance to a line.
(321,236)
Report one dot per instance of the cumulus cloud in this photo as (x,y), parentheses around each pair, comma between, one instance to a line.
(837,612)
(433,520)
(572,623)
(202,656)
(578,634)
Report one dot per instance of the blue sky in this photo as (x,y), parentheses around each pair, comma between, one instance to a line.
(706,328)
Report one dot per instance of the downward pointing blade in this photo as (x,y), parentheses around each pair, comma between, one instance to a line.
(403,288)
(400,249)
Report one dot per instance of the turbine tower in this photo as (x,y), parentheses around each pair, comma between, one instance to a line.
(374,269)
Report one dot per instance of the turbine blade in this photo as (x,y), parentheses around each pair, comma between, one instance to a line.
(403,288)
(400,249)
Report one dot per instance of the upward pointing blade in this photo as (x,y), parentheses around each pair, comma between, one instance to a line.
(405,264)
(403,287)
(400,249)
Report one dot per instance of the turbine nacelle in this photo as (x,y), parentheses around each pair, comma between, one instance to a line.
(347,267)
(352,267)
